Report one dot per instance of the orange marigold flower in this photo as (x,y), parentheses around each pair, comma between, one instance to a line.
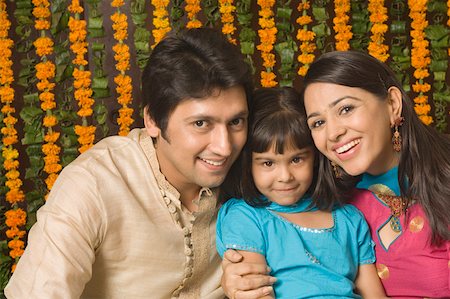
(50,121)
(15,195)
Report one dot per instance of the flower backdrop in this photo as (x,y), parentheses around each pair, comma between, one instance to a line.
(70,72)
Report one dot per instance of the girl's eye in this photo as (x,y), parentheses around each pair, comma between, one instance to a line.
(268,163)
(297,160)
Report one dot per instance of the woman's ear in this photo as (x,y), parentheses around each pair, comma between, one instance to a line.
(150,125)
(395,102)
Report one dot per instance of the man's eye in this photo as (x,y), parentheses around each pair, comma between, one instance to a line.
(199,123)
(236,121)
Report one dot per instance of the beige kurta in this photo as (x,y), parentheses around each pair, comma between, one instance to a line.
(113,227)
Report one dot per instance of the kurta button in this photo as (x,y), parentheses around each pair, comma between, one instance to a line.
(185,231)
(176,293)
(188,251)
(187,241)
(188,272)
(167,200)
(172,208)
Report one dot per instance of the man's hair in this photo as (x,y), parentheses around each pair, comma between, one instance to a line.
(194,63)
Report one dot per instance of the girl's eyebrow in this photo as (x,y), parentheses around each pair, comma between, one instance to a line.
(334,103)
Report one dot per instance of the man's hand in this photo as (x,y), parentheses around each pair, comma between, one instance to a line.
(241,280)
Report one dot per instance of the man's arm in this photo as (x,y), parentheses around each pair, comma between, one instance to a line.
(244,277)
(57,262)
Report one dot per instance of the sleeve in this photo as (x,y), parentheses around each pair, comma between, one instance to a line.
(238,227)
(57,262)
(366,246)
(365,242)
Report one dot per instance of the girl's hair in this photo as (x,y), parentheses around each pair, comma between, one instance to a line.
(425,154)
(277,119)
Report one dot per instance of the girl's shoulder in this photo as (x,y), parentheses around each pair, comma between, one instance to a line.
(238,207)
(350,212)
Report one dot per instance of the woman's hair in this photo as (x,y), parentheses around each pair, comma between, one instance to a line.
(277,119)
(425,154)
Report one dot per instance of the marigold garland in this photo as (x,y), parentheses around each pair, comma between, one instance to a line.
(122,57)
(267,35)
(420,58)
(448,21)
(343,30)
(13,182)
(306,38)
(82,78)
(226,9)
(45,72)
(378,15)
(160,20)
(193,8)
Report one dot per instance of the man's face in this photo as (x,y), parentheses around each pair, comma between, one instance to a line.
(203,139)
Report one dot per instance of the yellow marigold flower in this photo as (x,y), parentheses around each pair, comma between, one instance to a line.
(194,24)
(15,217)
(228,29)
(303,70)
(426,119)
(10,153)
(13,184)
(52,168)
(10,164)
(50,180)
(421,73)
(422,109)
(418,87)
(15,253)
(44,46)
(303,6)
(304,20)
(117,3)
(15,195)
(14,232)
(41,12)
(9,140)
(50,121)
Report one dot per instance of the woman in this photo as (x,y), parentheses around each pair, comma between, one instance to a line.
(365,125)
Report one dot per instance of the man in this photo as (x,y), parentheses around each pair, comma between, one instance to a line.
(134,217)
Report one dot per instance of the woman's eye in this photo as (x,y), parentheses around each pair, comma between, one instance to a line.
(316,124)
(346,109)
(268,163)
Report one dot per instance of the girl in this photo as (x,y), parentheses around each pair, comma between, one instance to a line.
(314,246)
(363,122)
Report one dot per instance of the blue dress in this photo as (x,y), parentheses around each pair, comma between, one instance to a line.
(319,263)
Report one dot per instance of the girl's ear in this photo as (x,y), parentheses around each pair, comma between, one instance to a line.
(150,125)
(395,102)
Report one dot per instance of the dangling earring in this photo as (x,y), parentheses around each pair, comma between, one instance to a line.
(397,138)
(336,170)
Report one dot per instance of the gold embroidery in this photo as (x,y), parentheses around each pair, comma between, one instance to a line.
(416,224)
(383,271)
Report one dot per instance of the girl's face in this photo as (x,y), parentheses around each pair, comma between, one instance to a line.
(283,178)
(352,127)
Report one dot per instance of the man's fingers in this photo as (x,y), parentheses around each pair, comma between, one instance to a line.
(232,256)
(245,269)
(253,294)
(255,281)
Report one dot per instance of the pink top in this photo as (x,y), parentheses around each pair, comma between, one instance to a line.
(410,267)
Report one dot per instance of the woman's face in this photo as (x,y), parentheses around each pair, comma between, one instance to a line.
(352,127)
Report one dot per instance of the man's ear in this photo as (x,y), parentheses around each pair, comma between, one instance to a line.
(150,125)
(395,104)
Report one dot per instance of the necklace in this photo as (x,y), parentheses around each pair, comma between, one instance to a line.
(397,206)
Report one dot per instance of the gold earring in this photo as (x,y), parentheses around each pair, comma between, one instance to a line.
(336,170)
(396,137)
